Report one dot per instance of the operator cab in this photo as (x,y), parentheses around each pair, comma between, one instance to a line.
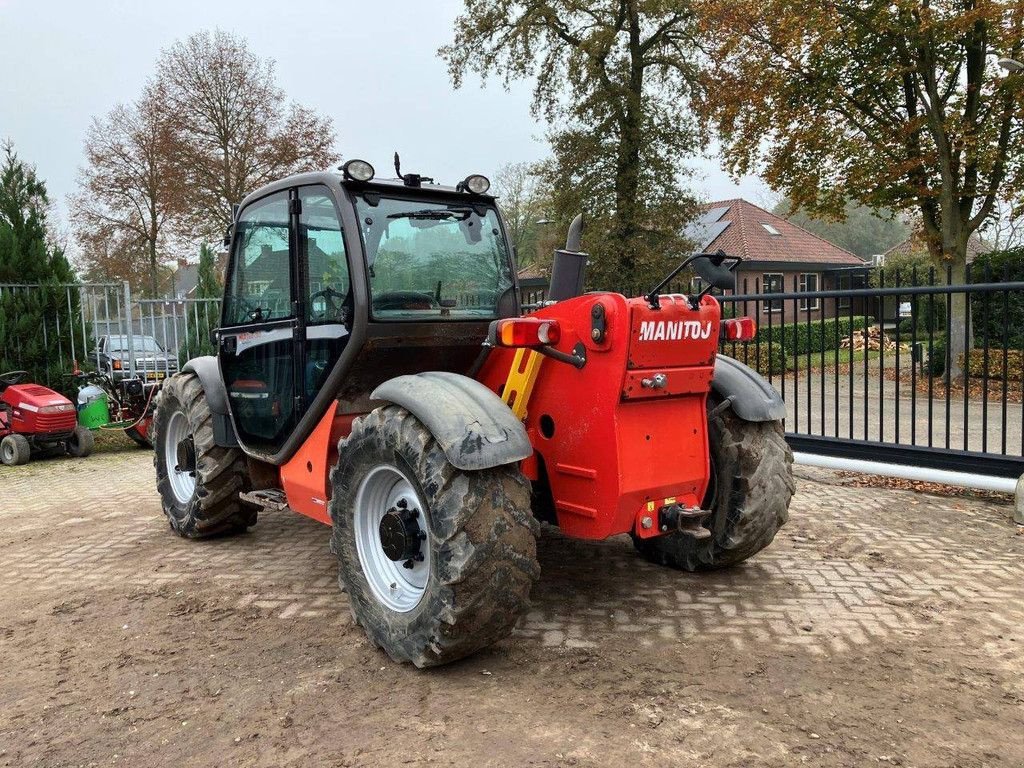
(337,282)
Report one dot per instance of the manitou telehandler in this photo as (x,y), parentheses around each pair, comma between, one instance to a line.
(375,372)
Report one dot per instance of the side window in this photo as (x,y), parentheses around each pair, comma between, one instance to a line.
(259,287)
(771,282)
(320,237)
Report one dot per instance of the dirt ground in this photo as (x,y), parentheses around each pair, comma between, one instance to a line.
(881,627)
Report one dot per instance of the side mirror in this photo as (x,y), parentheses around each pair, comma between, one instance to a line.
(227,235)
(714,274)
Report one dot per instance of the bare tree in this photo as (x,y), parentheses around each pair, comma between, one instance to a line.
(516,187)
(1005,227)
(129,191)
(233,127)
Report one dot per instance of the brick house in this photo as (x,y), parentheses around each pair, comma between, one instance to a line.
(779,256)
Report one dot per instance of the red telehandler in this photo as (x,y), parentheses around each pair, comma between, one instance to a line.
(375,372)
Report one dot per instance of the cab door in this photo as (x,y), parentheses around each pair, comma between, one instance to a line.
(260,347)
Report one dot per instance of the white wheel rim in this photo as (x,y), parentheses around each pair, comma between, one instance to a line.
(8,451)
(395,586)
(183,484)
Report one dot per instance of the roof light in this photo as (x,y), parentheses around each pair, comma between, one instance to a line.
(739,329)
(527,332)
(476,184)
(771,230)
(358,170)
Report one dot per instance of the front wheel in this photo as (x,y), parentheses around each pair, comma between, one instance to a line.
(751,486)
(81,442)
(437,562)
(14,450)
(198,481)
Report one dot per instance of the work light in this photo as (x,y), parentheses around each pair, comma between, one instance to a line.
(358,170)
(477,184)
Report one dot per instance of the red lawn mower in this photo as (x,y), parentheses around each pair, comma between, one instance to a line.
(35,419)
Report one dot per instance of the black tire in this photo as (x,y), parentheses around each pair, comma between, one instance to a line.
(139,438)
(221,473)
(751,486)
(482,538)
(15,450)
(81,443)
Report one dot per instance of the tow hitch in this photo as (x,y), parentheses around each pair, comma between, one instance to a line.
(688,520)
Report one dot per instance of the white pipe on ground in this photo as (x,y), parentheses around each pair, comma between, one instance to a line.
(923,474)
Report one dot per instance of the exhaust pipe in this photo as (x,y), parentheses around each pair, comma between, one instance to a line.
(569,265)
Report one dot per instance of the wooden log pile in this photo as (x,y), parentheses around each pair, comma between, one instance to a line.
(871,339)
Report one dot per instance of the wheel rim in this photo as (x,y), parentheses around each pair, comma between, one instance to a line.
(382,491)
(183,484)
(8,451)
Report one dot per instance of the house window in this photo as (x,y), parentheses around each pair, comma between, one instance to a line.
(771,282)
(809,282)
(846,283)
(771,230)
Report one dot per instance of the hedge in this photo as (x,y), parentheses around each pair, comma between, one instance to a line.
(1014,364)
(976,362)
(767,362)
(801,338)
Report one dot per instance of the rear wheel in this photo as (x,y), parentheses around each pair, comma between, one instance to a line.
(198,481)
(749,494)
(81,442)
(15,450)
(139,435)
(437,562)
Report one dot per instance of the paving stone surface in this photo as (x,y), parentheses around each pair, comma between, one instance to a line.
(854,564)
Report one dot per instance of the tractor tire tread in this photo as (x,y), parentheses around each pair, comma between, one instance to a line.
(221,473)
(755,485)
(484,560)
(17,450)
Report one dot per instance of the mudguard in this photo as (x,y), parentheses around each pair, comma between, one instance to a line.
(474,427)
(206,369)
(752,398)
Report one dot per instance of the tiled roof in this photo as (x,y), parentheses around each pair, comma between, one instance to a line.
(915,244)
(532,272)
(743,229)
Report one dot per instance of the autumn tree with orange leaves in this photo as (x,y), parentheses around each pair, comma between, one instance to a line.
(895,104)
(163,172)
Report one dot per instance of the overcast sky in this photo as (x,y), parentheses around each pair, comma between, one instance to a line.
(370,66)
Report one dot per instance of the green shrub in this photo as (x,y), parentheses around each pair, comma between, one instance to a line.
(1002,311)
(767,362)
(937,360)
(818,335)
(1014,364)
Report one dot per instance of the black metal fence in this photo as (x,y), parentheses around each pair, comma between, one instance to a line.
(862,382)
(868,373)
(75,316)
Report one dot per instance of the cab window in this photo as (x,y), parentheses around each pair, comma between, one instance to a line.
(433,260)
(259,287)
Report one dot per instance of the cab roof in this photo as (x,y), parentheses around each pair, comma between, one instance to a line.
(334,179)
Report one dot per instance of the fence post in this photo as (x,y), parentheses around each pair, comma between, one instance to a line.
(131,341)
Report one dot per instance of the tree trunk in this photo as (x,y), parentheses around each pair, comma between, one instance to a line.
(627,167)
(152,270)
(960,340)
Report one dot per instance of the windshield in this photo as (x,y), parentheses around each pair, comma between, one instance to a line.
(141,344)
(428,260)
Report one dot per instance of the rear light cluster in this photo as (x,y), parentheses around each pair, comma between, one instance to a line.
(527,332)
(739,329)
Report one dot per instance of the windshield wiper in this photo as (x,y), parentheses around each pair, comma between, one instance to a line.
(434,214)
